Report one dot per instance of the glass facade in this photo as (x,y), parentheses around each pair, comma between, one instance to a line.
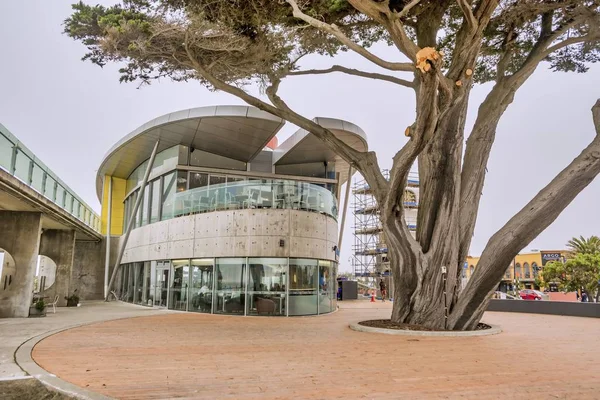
(173,192)
(208,192)
(240,286)
(21,163)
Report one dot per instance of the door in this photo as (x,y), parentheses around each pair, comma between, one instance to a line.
(162,284)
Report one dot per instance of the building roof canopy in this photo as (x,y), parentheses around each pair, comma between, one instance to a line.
(236,132)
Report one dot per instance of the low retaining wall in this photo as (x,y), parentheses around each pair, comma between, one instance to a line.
(573,309)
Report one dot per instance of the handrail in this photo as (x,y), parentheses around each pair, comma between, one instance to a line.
(20,162)
(282,194)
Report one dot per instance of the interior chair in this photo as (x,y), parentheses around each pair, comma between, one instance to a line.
(265,306)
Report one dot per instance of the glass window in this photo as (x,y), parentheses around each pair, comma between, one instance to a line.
(168,194)
(144,206)
(50,188)
(81,212)
(125,213)
(75,210)
(267,281)
(22,166)
(138,214)
(184,152)
(68,198)
(231,286)
(163,162)
(327,291)
(303,286)
(6,152)
(201,286)
(123,284)
(535,269)
(130,291)
(182,181)
(198,179)
(199,158)
(60,193)
(217,179)
(179,285)
(155,201)
(138,283)
(146,297)
(526,270)
(161,273)
(518,271)
(37,178)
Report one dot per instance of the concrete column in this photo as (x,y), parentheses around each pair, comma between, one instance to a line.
(88,268)
(59,246)
(20,237)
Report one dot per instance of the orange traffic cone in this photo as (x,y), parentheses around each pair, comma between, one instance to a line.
(372,296)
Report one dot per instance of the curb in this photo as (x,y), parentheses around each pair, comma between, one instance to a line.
(26,363)
(494,330)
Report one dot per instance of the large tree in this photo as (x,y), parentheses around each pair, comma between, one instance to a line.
(582,272)
(445,47)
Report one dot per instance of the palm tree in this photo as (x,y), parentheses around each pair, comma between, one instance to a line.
(582,245)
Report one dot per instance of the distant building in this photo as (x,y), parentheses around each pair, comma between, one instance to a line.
(524,269)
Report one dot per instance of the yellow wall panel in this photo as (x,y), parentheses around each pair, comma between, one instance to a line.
(118,208)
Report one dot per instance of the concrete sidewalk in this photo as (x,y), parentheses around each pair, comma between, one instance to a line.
(15,331)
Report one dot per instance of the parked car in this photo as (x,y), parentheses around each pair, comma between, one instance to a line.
(503,296)
(530,294)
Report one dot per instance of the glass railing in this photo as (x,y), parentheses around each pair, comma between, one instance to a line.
(277,194)
(20,162)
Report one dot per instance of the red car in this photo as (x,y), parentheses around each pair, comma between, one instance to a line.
(529,294)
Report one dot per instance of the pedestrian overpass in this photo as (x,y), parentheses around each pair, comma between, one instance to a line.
(41,215)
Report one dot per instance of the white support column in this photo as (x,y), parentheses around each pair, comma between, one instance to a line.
(108,225)
(130,222)
(345,209)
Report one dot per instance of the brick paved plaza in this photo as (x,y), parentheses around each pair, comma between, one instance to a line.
(185,355)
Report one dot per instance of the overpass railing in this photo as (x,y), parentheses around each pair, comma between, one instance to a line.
(20,162)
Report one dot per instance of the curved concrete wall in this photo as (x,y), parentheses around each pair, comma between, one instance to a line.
(236,233)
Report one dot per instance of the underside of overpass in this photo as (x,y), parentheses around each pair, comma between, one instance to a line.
(32,225)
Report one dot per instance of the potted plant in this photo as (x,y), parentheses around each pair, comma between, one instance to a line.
(72,300)
(38,308)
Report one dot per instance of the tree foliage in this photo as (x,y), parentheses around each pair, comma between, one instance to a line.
(579,272)
(443,48)
(582,245)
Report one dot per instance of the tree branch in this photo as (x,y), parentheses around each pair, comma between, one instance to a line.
(483,134)
(465,7)
(356,72)
(381,13)
(335,31)
(407,8)
(352,156)
(523,227)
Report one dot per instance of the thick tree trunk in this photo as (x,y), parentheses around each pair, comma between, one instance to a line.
(521,229)
(420,292)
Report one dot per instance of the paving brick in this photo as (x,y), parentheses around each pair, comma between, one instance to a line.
(194,356)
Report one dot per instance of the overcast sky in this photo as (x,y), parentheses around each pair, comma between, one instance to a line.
(69,113)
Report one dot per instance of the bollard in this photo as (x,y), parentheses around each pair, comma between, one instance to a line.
(372,296)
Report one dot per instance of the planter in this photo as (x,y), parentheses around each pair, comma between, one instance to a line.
(35,313)
(72,303)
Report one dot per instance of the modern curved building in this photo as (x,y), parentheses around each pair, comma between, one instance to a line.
(229,222)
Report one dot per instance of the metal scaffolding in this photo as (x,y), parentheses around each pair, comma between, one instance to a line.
(370,249)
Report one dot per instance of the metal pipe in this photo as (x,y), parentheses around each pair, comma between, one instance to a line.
(345,209)
(131,220)
(108,226)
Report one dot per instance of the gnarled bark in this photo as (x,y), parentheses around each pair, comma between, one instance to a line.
(536,216)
